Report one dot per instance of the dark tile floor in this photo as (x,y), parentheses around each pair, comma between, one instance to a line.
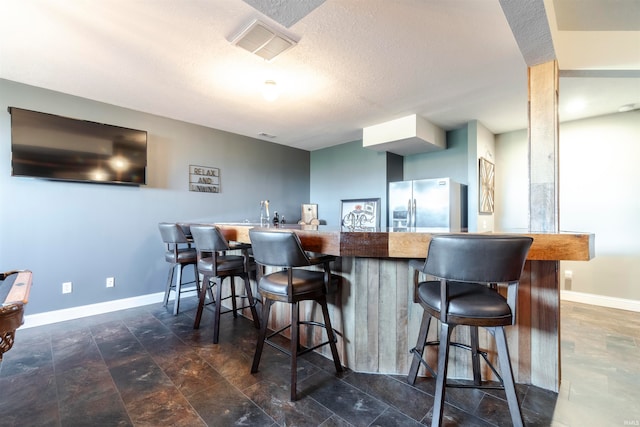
(145,367)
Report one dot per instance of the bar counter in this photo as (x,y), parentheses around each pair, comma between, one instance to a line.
(377,318)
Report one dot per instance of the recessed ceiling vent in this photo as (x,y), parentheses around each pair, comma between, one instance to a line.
(263,40)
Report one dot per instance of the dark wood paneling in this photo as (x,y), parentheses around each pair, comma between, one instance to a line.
(364,244)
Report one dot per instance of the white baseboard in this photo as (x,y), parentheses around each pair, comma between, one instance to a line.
(601,300)
(72,313)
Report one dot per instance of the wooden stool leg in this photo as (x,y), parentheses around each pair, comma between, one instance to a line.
(295,313)
(197,277)
(176,303)
(210,290)
(205,288)
(475,356)
(419,349)
(330,334)
(169,286)
(234,303)
(216,315)
(266,307)
(252,301)
(507,376)
(441,380)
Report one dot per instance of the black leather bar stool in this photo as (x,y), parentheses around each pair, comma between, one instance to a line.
(215,265)
(292,285)
(468,269)
(179,254)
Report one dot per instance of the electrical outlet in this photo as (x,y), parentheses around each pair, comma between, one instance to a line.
(111,282)
(67,287)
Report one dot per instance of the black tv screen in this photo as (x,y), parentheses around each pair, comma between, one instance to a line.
(61,148)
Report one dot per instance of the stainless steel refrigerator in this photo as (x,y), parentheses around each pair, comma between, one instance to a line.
(438,204)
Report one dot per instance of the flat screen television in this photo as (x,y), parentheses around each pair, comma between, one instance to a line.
(60,148)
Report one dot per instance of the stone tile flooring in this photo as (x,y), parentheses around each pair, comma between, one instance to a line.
(145,367)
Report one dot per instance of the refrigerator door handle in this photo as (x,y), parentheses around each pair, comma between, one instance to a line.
(413,209)
(409,213)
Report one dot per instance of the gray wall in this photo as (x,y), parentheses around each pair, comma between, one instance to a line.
(84,233)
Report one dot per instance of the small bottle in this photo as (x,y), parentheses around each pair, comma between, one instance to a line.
(282,220)
(276,219)
(264,213)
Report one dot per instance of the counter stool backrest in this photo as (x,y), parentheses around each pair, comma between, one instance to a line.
(208,238)
(278,249)
(171,233)
(477,258)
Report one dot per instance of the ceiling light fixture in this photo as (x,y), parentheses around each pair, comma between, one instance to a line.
(270,90)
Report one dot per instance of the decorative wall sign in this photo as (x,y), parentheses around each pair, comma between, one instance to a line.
(487,183)
(204,179)
(360,214)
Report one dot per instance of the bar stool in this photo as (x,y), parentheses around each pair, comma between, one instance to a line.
(468,269)
(214,263)
(179,254)
(292,285)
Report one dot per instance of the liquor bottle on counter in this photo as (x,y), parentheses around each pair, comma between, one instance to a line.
(276,219)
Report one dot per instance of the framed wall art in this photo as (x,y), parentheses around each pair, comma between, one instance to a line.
(486,181)
(361,214)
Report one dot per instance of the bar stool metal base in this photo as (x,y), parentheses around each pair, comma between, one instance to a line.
(295,349)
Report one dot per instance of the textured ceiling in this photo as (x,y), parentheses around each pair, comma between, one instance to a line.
(357,63)
(285,12)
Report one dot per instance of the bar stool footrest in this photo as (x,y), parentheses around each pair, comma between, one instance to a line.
(416,353)
(306,349)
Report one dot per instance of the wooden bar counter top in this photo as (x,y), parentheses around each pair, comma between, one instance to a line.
(378,320)
(386,243)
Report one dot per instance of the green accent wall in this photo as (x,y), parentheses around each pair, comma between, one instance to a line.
(349,171)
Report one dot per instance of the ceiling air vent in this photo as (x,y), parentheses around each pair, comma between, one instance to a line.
(263,40)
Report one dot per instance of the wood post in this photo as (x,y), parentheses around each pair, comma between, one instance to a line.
(544,217)
(543,148)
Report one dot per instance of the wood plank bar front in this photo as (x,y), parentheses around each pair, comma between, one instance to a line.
(378,319)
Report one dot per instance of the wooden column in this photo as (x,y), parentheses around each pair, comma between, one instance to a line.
(543,148)
(544,217)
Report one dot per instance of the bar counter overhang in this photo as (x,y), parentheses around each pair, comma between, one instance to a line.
(378,321)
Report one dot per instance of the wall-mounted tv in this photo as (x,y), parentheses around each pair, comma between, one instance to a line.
(60,148)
